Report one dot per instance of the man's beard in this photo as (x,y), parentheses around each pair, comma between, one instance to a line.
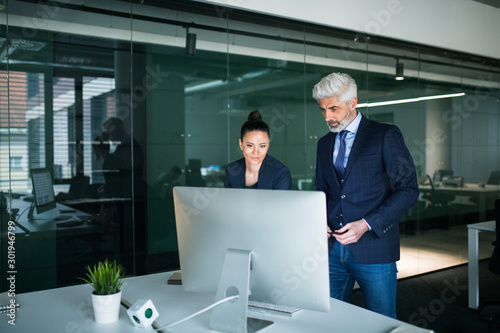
(343,123)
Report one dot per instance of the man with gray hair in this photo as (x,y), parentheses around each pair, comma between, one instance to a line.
(369,179)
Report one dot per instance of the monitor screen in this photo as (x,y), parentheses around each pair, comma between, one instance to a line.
(43,190)
(284,233)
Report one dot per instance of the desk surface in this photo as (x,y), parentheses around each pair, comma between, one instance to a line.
(484,226)
(45,222)
(468,188)
(69,309)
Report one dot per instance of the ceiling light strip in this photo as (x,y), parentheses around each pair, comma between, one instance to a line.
(409,100)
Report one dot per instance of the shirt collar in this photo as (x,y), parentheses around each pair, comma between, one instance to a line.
(354,125)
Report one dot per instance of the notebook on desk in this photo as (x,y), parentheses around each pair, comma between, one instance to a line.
(175,279)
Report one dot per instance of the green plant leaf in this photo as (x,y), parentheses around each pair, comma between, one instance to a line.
(105,277)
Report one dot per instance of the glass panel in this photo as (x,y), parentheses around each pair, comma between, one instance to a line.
(267,75)
(59,93)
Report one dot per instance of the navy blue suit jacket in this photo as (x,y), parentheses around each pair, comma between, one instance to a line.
(273,175)
(380,185)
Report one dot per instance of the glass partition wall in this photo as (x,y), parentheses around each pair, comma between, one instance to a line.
(122,101)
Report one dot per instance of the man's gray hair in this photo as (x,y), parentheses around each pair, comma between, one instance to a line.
(338,85)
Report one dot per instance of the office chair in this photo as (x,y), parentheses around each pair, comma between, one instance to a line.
(437,199)
(491,313)
(494,178)
(78,189)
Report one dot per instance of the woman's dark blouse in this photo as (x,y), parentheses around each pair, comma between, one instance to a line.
(273,175)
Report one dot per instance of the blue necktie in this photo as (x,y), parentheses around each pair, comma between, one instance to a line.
(339,162)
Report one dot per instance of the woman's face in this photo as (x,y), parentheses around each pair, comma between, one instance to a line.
(254,146)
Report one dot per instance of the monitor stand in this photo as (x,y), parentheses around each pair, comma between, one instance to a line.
(232,316)
(47,215)
(31,212)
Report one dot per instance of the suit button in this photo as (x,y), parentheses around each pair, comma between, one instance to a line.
(342,196)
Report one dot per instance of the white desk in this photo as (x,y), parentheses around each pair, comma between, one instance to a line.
(473,237)
(69,309)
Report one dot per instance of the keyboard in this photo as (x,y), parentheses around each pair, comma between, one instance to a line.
(282,309)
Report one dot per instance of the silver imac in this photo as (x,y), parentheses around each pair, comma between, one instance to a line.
(263,245)
(44,200)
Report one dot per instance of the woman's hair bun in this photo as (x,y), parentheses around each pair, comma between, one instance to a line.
(254,123)
(255,115)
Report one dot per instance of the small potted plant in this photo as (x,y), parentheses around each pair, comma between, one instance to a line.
(106,280)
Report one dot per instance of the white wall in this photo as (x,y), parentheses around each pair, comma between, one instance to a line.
(461,25)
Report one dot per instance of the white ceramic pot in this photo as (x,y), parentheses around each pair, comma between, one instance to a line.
(106,307)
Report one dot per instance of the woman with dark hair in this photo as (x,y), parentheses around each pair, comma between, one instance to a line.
(257,169)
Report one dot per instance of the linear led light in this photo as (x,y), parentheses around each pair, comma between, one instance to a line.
(400,71)
(409,100)
(203,86)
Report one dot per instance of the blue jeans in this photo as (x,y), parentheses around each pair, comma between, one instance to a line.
(377,282)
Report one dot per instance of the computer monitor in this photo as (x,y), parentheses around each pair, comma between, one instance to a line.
(263,245)
(43,192)
(440,174)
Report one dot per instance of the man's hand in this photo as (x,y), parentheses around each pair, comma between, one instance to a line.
(329,231)
(351,232)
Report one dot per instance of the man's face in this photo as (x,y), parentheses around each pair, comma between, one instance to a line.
(338,115)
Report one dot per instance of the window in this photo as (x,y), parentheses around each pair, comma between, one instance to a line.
(16,162)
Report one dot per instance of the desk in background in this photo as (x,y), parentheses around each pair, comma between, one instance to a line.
(483,195)
(41,224)
(468,189)
(69,309)
(93,205)
(47,255)
(473,239)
